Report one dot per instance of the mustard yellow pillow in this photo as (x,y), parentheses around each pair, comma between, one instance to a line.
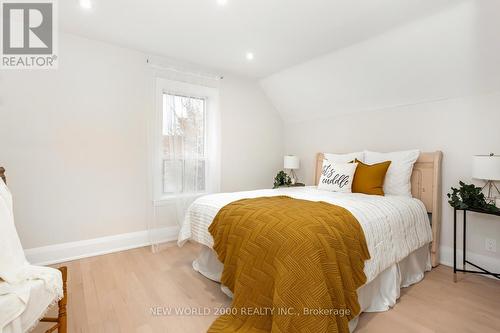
(369,179)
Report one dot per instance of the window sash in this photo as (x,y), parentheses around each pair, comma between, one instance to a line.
(183,171)
(174,178)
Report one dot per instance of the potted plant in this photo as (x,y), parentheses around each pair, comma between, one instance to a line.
(282,179)
(470,196)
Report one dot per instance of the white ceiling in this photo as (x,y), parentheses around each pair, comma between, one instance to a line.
(281,33)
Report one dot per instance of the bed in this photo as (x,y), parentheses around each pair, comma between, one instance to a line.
(402,233)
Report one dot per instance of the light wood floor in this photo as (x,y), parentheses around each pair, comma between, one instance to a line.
(115,293)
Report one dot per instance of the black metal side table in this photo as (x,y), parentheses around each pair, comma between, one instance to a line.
(464,260)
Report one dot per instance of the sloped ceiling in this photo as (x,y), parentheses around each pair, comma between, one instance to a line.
(450,53)
(281,33)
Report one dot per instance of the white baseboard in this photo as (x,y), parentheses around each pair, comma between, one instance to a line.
(53,254)
(489,263)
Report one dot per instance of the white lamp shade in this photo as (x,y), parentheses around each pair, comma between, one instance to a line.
(291,162)
(486,167)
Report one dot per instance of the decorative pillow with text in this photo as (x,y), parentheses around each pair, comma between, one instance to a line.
(337,177)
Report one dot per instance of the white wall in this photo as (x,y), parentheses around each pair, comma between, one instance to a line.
(432,84)
(252,137)
(74,142)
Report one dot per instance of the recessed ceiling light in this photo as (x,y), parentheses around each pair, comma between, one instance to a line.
(221,2)
(249,56)
(86,4)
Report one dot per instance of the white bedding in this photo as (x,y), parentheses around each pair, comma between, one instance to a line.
(394,226)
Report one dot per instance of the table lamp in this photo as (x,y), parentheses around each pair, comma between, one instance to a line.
(291,162)
(487,167)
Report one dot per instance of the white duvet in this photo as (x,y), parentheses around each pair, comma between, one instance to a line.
(394,226)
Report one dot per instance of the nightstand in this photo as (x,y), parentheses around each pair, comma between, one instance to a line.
(292,185)
(464,260)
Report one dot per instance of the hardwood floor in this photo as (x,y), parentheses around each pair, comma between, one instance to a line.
(118,292)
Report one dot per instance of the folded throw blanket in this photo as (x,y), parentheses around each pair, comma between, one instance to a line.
(293,265)
(15,271)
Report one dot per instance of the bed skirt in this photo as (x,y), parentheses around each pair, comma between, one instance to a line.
(378,295)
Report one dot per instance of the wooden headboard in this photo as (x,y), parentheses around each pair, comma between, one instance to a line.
(425,186)
(2,175)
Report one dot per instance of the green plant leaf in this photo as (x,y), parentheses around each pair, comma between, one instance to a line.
(469,196)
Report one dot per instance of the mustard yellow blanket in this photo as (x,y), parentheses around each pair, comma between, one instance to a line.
(292,265)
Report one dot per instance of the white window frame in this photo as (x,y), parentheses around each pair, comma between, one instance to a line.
(212,136)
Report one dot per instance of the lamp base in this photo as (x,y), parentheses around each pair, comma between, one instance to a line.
(491,184)
(293,177)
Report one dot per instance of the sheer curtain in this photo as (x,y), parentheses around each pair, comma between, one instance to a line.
(186,163)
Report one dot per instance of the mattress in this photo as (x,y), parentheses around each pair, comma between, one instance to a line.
(394,226)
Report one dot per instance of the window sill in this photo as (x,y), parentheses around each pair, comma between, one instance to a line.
(171,199)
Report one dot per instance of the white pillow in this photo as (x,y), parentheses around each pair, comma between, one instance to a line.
(397,180)
(337,177)
(345,158)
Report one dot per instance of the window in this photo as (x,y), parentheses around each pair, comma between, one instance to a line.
(183,155)
(187,154)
